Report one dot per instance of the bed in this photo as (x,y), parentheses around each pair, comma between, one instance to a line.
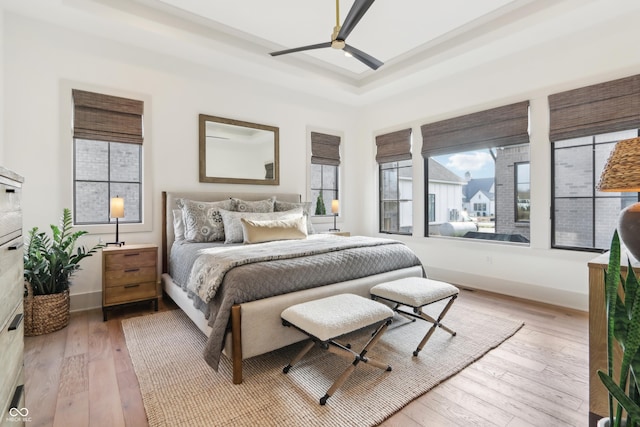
(242,319)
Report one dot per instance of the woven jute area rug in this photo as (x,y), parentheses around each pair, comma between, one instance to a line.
(180,389)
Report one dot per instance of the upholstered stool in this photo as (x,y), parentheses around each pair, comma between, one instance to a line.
(417,292)
(328,318)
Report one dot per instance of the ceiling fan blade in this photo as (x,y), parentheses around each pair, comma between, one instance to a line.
(356,13)
(299,49)
(366,59)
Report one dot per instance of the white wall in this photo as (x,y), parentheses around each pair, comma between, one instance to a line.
(593,55)
(40,60)
(1,86)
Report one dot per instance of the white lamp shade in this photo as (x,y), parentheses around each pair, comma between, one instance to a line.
(117,207)
(335,206)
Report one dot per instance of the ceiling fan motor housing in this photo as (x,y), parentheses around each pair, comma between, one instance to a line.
(337,44)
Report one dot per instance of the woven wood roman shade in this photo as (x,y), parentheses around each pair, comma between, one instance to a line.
(325,149)
(394,146)
(497,127)
(107,118)
(591,110)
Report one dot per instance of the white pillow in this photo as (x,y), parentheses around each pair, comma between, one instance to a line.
(178,225)
(233,226)
(277,229)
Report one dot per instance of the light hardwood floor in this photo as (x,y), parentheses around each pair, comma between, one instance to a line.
(82,375)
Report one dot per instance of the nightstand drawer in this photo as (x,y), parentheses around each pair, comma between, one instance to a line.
(10,213)
(129,293)
(130,275)
(11,353)
(128,259)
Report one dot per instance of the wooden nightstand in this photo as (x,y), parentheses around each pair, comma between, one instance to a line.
(129,274)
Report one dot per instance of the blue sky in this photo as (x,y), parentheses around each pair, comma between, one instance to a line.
(479,163)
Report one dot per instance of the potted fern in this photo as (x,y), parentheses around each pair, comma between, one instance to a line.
(623,329)
(49,263)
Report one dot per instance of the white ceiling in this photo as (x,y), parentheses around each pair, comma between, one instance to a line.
(389,31)
(419,41)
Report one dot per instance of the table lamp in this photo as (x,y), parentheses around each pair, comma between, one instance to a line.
(116,211)
(335,209)
(621,173)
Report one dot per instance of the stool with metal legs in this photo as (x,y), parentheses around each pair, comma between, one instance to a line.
(416,293)
(326,319)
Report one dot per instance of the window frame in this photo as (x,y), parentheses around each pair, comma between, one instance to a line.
(594,193)
(67,161)
(398,200)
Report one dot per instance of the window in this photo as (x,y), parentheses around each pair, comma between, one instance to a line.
(325,165)
(107,157)
(396,182)
(396,194)
(523,192)
(324,188)
(432,207)
(470,165)
(584,218)
(480,208)
(585,124)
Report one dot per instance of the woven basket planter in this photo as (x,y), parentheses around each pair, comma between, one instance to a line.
(45,313)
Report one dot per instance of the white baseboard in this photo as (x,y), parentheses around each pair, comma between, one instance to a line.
(86,301)
(563,298)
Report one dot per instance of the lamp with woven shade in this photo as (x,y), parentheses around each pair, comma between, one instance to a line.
(621,173)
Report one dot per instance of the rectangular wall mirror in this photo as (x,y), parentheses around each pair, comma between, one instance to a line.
(237,152)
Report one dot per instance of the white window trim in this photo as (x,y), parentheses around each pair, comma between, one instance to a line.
(66,162)
(329,218)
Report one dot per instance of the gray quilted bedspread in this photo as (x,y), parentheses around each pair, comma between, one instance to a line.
(223,278)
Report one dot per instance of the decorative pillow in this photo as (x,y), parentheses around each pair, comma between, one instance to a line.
(279,229)
(178,225)
(253,206)
(202,220)
(233,226)
(306,211)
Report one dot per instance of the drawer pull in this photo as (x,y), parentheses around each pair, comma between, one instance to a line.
(10,190)
(17,395)
(131,286)
(130,254)
(132,270)
(16,322)
(16,246)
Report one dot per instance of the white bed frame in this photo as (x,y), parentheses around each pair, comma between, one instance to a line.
(256,327)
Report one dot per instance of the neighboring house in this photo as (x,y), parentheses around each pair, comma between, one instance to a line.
(479,196)
(445,194)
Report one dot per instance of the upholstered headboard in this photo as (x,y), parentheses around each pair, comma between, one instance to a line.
(169,199)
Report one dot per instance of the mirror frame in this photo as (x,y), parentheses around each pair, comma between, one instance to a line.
(203,119)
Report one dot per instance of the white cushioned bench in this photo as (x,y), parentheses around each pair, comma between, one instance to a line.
(417,292)
(326,319)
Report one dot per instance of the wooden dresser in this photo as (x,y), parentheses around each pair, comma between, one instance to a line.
(598,394)
(129,274)
(11,295)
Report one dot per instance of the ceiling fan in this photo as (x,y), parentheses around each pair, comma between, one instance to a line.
(340,33)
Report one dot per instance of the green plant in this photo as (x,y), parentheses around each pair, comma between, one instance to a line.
(623,328)
(320,209)
(49,262)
